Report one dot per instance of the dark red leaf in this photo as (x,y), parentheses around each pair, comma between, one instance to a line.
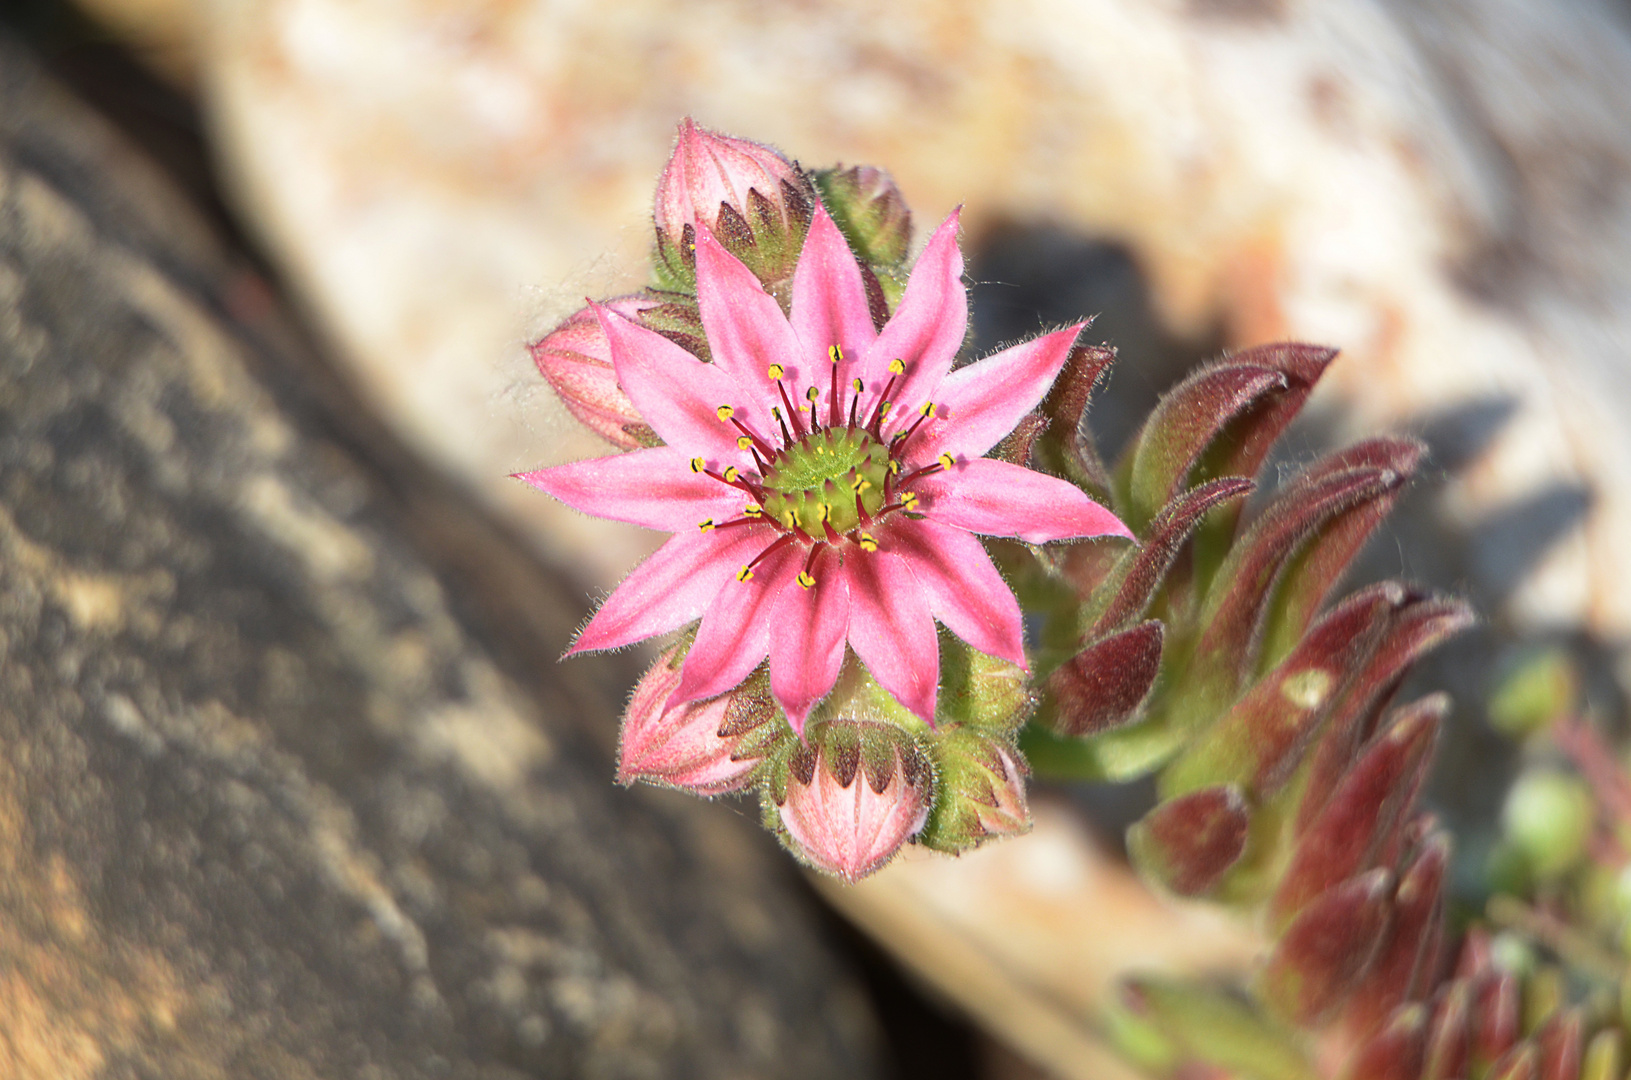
(1411,945)
(1396,1052)
(1064,448)
(1364,812)
(1146,567)
(1187,844)
(1103,685)
(1327,949)
(1559,1040)
(1448,1034)
(1182,426)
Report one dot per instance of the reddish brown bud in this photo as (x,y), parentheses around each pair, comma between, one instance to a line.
(1396,1052)
(1365,811)
(1187,844)
(1252,433)
(870,210)
(1103,685)
(1327,949)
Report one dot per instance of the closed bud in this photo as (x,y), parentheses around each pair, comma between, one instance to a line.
(851,795)
(981,792)
(577,360)
(707,747)
(753,199)
(870,210)
(1188,843)
(1327,948)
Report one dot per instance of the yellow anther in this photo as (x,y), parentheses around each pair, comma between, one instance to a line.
(777,371)
(896,366)
(883,410)
(928,408)
(753,510)
(732,474)
(697,464)
(946,462)
(706,526)
(909,499)
(744,441)
(826,512)
(860,483)
(744,574)
(805,579)
(894,467)
(867,543)
(834,353)
(857,386)
(789,518)
(725,412)
(811,394)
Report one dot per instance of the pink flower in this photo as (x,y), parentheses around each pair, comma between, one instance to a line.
(708,169)
(824,479)
(697,745)
(577,360)
(855,796)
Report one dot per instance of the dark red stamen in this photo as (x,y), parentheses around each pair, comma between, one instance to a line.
(883,399)
(792,413)
(836,407)
(860,507)
(775,546)
(738,521)
(898,443)
(927,470)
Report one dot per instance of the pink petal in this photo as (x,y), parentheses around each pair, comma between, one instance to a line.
(891,629)
(735,631)
(965,591)
(982,402)
(675,584)
(829,300)
(677,394)
(747,331)
(655,488)
(998,499)
(928,325)
(807,629)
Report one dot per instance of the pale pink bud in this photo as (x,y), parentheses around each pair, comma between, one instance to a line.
(708,169)
(701,746)
(855,793)
(577,360)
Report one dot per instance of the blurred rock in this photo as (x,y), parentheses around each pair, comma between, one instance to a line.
(290,784)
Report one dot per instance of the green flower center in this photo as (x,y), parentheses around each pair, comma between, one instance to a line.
(814,482)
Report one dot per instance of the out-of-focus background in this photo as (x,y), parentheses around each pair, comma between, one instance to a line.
(417,188)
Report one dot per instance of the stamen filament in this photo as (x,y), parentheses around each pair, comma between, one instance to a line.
(792,413)
(755,439)
(835,407)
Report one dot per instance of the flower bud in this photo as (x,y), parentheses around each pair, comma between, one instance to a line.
(870,210)
(982,791)
(577,360)
(1549,816)
(708,747)
(748,195)
(852,795)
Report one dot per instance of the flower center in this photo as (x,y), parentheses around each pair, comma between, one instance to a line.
(815,482)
